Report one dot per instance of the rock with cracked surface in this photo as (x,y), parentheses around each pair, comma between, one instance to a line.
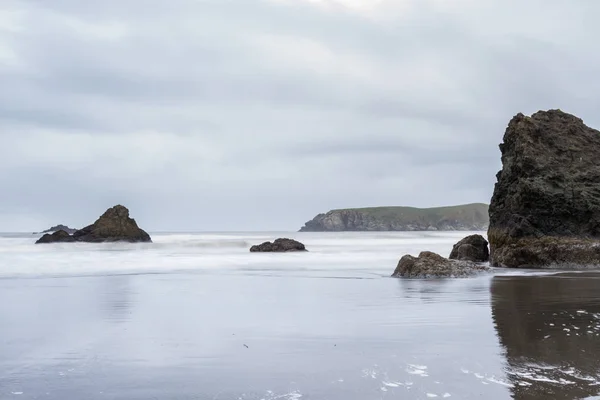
(431,265)
(545,209)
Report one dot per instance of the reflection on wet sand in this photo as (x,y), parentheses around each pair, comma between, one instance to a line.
(117,297)
(549,327)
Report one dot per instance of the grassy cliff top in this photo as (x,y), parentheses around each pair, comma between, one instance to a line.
(450,212)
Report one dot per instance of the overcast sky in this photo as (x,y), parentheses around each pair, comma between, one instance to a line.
(257,115)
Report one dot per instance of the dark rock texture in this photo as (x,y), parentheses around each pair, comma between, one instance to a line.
(472,248)
(60,227)
(279,245)
(112,226)
(59,236)
(466,217)
(432,265)
(545,209)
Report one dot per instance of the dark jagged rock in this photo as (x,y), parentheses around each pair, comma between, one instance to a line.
(60,227)
(466,217)
(472,248)
(432,265)
(112,226)
(59,236)
(545,209)
(279,245)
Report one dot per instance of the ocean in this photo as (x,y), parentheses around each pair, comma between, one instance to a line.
(197,316)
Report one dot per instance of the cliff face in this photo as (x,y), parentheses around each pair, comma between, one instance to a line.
(545,209)
(469,217)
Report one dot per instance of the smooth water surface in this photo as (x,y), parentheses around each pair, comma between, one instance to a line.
(196,316)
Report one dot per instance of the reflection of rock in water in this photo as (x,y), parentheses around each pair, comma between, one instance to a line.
(550,329)
(427,291)
(117,300)
(435,290)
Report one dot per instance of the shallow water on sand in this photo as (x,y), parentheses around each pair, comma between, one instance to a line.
(196,316)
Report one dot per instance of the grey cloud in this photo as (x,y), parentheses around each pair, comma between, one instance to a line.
(254,114)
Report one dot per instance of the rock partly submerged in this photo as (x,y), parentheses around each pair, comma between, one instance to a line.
(472,248)
(545,209)
(281,245)
(59,236)
(431,265)
(114,225)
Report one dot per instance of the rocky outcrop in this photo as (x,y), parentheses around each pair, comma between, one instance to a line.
(545,209)
(59,236)
(468,217)
(432,265)
(472,248)
(279,245)
(60,227)
(114,225)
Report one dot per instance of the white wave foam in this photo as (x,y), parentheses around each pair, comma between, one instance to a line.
(485,379)
(393,384)
(359,254)
(355,254)
(287,396)
(417,370)
(552,374)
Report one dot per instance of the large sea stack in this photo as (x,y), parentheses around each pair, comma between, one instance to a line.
(114,225)
(545,209)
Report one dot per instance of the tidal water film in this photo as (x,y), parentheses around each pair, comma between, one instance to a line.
(197,316)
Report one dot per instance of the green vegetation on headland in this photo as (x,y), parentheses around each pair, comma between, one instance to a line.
(466,217)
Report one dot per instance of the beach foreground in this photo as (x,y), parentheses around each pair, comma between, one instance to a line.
(196,316)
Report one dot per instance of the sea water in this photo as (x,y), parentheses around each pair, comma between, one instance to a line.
(197,316)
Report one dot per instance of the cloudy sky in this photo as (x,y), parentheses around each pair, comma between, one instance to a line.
(259,114)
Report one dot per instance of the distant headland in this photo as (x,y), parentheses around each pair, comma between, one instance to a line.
(465,217)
